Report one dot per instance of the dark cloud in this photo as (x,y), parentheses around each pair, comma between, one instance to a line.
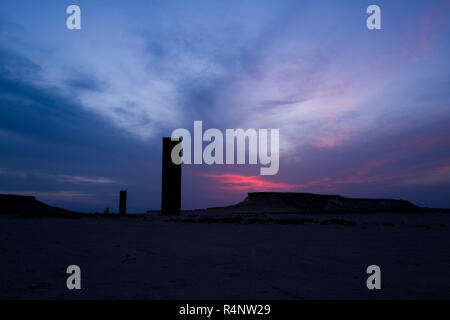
(80,81)
(45,134)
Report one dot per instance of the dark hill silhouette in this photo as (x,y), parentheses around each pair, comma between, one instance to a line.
(27,205)
(255,202)
(284,202)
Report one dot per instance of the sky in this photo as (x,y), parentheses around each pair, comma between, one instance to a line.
(361,113)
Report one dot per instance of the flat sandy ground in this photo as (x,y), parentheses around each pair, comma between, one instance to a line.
(153,258)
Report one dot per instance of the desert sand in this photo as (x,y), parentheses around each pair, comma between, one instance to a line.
(295,256)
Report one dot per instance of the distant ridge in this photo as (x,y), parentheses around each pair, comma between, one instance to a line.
(290,202)
(27,205)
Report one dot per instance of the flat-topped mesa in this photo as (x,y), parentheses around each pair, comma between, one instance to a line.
(11,204)
(309,202)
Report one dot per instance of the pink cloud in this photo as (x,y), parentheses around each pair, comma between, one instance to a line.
(240,182)
(421,173)
(443,169)
(424,38)
(329,142)
(425,143)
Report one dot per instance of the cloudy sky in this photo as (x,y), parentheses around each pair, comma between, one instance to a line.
(361,113)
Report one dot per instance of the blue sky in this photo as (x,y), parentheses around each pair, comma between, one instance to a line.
(360,112)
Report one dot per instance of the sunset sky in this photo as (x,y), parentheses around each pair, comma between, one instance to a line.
(361,113)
